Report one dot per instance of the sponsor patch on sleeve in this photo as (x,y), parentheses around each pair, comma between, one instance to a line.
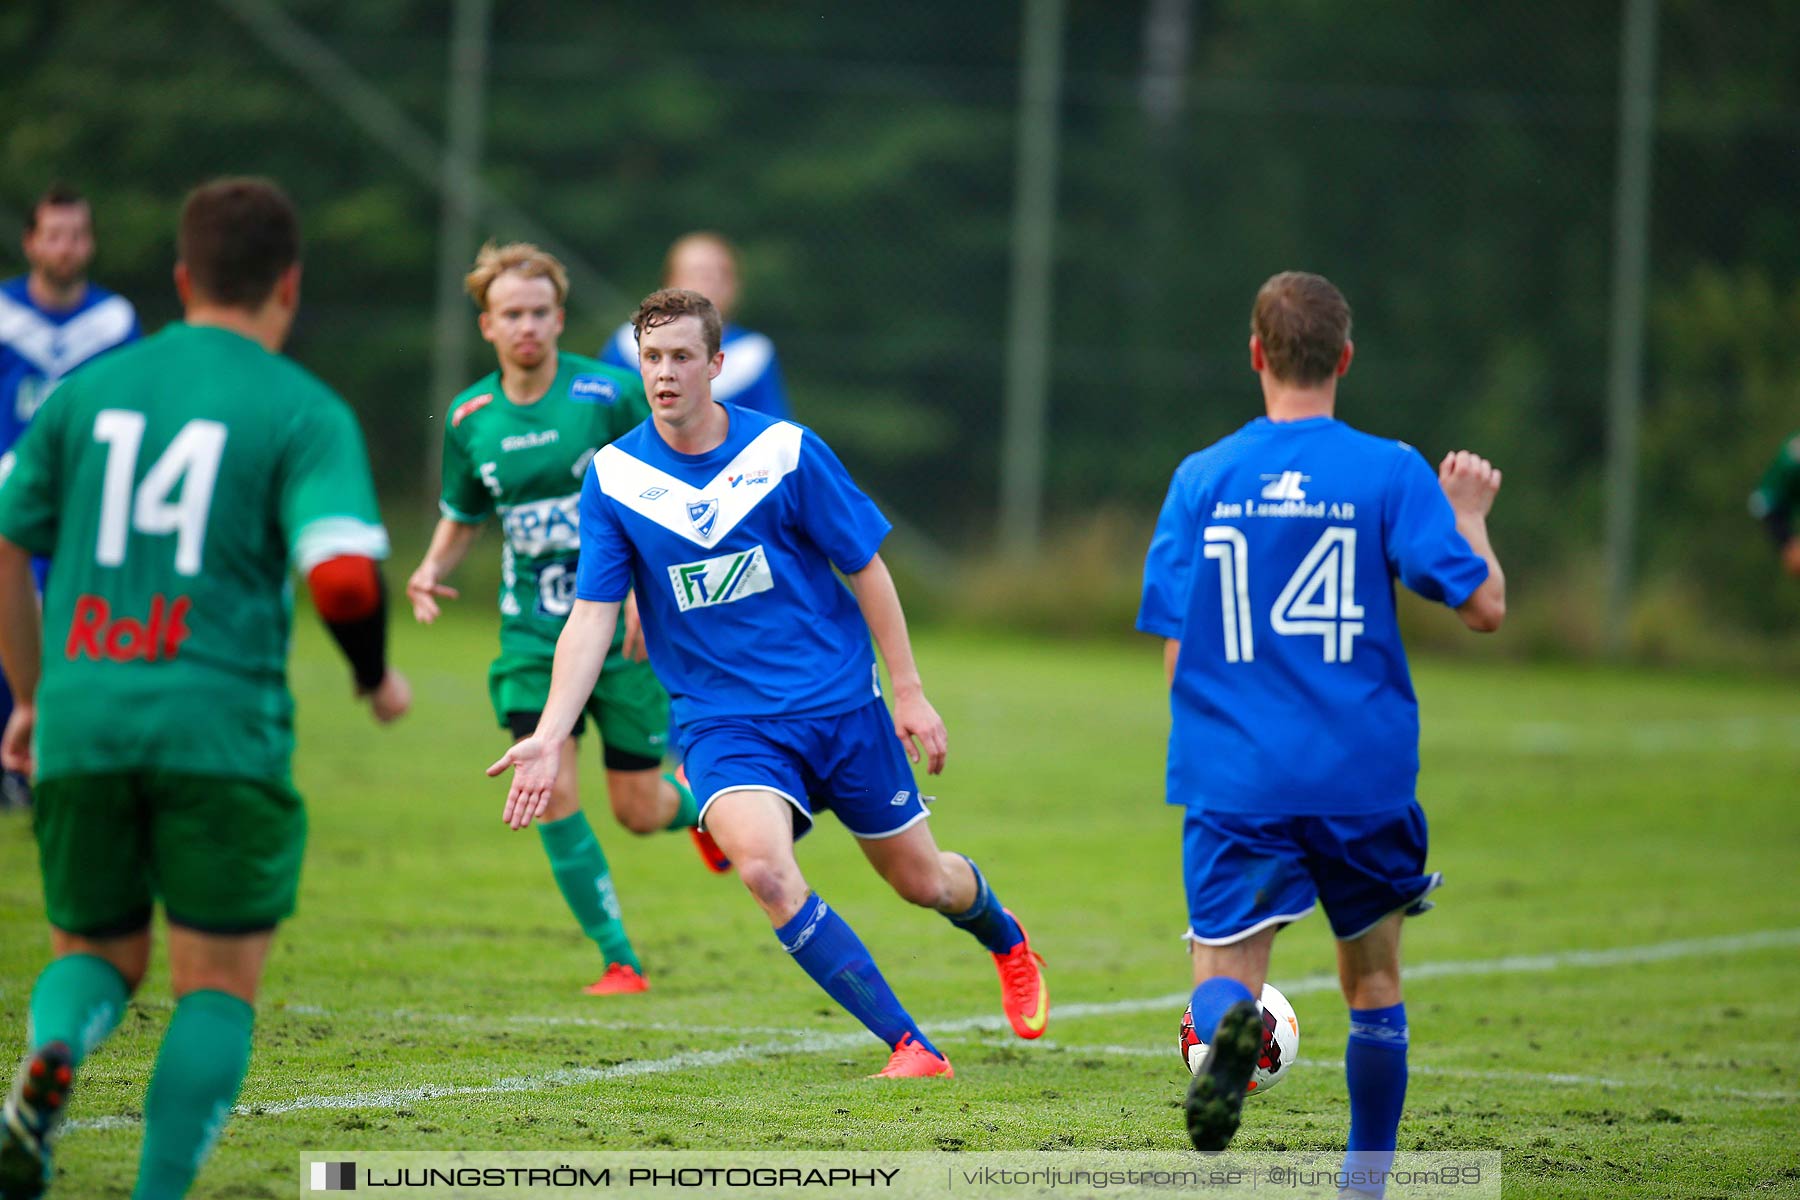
(473,404)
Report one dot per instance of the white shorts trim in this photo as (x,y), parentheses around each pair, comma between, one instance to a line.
(799,808)
(1191,936)
(1435,882)
(880,837)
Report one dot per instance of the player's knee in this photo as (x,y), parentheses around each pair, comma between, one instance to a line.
(922,884)
(638,821)
(634,801)
(777,886)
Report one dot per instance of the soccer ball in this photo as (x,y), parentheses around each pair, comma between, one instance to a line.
(1281,1041)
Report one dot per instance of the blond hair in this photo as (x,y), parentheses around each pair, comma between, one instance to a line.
(525,259)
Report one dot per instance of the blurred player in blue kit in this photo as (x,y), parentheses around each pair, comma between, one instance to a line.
(1295,740)
(751,377)
(52,320)
(728,523)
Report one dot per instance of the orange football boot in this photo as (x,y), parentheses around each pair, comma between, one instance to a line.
(1023,993)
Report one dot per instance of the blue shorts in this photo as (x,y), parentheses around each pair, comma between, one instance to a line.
(1245,872)
(850,763)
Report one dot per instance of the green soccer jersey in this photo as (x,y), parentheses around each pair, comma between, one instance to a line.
(173,482)
(524,464)
(1776,500)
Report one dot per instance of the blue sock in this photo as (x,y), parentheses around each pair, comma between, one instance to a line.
(1375,1069)
(992,925)
(1210,1001)
(828,949)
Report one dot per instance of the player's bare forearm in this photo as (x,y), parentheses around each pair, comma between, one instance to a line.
(21,622)
(450,543)
(1171,653)
(916,723)
(1485,609)
(580,655)
(1470,483)
(880,604)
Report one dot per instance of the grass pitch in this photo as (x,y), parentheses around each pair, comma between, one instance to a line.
(1607,992)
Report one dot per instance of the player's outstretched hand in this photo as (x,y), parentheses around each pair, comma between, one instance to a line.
(1470,482)
(534,761)
(391,697)
(423,589)
(920,728)
(15,744)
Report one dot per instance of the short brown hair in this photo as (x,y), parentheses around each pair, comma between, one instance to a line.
(57,195)
(698,237)
(1303,323)
(237,236)
(495,260)
(671,304)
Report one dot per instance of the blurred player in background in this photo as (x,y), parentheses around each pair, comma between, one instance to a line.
(1776,503)
(1295,741)
(51,321)
(751,378)
(516,445)
(177,482)
(728,524)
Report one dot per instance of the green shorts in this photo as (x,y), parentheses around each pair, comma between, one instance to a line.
(628,706)
(223,854)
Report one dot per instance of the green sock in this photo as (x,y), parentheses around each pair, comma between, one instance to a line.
(198,1071)
(687,813)
(580,869)
(78,999)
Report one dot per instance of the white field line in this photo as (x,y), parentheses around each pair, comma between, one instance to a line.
(828,1043)
(1304,986)
(1413,1066)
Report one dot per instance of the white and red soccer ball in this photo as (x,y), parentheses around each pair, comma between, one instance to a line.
(1281,1042)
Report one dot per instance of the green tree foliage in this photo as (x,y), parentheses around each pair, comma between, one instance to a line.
(1450,165)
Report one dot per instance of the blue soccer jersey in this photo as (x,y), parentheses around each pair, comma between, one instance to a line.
(731,554)
(39,346)
(1274,563)
(750,378)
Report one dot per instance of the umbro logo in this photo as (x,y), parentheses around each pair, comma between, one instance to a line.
(900,798)
(652,493)
(1285,486)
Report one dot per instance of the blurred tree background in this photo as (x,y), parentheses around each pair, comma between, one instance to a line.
(1451,166)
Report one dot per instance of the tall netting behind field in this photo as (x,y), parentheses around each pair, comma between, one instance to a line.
(1452,167)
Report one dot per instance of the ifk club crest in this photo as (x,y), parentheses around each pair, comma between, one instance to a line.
(702,514)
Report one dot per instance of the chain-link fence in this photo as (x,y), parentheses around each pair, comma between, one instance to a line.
(1453,167)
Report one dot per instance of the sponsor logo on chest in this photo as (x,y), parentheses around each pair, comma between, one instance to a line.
(593,389)
(530,441)
(720,580)
(543,526)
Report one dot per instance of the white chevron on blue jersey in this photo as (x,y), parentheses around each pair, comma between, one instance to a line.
(660,497)
(747,356)
(745,361)
(57,349)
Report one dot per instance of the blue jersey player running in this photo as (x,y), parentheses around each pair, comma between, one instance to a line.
(1295,739)
(728,523)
